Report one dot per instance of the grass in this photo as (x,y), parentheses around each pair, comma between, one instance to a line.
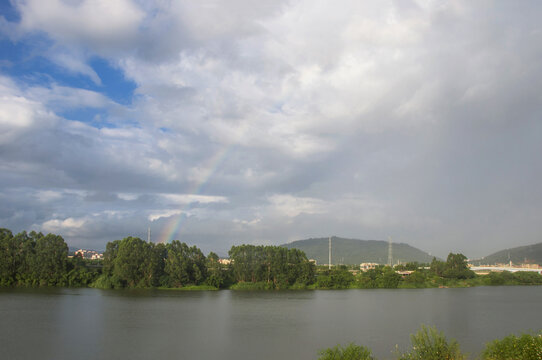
(190,288)
(252,286)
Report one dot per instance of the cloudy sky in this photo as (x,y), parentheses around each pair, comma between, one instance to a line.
(223,122)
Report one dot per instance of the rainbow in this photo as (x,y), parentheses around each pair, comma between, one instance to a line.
(175,223)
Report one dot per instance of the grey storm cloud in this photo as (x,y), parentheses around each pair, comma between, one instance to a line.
(273,121)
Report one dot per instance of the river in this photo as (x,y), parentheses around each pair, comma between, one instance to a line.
(152,324)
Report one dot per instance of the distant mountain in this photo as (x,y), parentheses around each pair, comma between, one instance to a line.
(530,254)
(353,251)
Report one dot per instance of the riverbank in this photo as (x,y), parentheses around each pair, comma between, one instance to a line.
(479,280)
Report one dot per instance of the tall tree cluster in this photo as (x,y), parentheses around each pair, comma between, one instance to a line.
(132,262)
(277,266)
(35,259)
(455,267)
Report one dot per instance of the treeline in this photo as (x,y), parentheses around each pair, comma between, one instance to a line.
(132,262)
(382,277)
(454,272)
(34,259)
(273,266)
(435,274)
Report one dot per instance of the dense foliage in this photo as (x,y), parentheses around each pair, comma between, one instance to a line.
(431,344)
(132,262)
(523,347)
(276,266)
(455,267)
(348,352)
(338,278)
(381,277)
(515,278)
(34,259)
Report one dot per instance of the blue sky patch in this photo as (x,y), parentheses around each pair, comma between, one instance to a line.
(97,118)
(114,83)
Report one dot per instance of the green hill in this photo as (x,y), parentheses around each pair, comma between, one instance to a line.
(530,254)
(353,251)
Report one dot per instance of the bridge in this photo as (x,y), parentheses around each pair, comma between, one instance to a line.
(503,268)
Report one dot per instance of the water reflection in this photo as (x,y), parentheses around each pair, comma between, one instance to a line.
(143,324)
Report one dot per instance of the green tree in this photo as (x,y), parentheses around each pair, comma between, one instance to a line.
(51,256)
(8,258)
(110,254)
(457,267)
(132,262)
(156,271)
(277,266)
(185,265)
(417,278)
(216,273)
(389,279)
(438,267)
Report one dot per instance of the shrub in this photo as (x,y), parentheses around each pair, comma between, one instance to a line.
(349,352)
(524,347)
(261,285)
(430,344)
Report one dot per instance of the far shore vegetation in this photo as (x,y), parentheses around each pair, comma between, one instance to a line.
(38,260)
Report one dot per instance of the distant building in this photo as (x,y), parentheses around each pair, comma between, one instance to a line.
(89,254)
(368,266)
(224,261)
(313,261)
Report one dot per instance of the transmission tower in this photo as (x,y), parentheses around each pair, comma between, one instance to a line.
(329,254)
(390,253)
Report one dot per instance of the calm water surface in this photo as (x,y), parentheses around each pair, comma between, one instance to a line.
(98,324)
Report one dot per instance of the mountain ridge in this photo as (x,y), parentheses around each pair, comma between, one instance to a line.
(355,251)
(527,254)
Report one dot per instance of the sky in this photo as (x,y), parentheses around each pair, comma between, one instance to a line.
(263,122)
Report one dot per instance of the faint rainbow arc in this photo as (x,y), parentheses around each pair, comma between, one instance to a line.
(176,221)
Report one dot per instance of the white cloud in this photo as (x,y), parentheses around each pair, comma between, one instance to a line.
(184,199)
(158,214)
(292,206)
(19,114)
(69,226)
(48,195)
(99,23)
(127,196)
(74,63)
(63,97)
